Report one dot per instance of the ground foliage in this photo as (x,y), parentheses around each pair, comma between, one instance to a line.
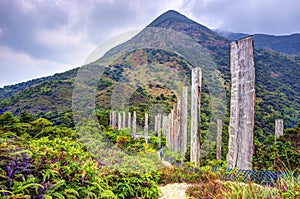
(40,159)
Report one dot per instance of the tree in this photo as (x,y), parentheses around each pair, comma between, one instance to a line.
(7,118)
(40,124)
(25,117)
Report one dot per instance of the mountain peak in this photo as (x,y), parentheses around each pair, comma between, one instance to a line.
(175,21)
(170,15)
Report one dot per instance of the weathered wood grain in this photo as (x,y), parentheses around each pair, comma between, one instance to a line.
(129,120)
(278,128)
(184,107)
(146,127)
(195,115)
(219,139)
(134,125)
(159,130)
(119,121)
(240,148)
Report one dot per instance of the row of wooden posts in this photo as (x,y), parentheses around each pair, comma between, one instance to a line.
(164,125)
(174,125)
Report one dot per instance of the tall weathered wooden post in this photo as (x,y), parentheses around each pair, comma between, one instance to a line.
(155,123)
(175,148)
(124,120)
(169,138)
(184,105)
(129,120)
(178,124)
(110,118)
(219,139)
(159,130)
(134,125)
(278,128)
(114,120)
(172,130)
(119,121)
(165,128)
(195,115)
(146,127)
(240,148)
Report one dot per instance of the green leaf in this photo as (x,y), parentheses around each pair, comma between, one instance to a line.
(57,185)
(22,188)
(68,192)
(108,194)
(58,195)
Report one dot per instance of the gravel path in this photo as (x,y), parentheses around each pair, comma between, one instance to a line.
(173,191)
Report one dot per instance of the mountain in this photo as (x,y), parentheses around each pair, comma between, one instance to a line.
(231,36)
(10,90)
(277,80)
(217,45)
(286,44)
(176,21)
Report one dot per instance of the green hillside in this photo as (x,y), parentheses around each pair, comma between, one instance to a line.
(277,90)
(286,44)
(276,80)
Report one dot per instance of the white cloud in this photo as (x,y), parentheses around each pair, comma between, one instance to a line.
(18,67)
(26,6)
(58,38)
(255,16)
(67,46)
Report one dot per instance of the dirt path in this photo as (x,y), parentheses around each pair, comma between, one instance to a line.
(173,191)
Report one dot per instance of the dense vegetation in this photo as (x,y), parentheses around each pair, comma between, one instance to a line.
(277,91)
(39,159)
(286,44)
(42,160)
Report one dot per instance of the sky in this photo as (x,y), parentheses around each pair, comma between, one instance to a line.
(42,37)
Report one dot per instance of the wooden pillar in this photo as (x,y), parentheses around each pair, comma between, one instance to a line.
(134,125)
(184,105)
(119,121)
(155,123)
(195,115)
(278,128)
(114,120)
(219,139)
(165,128)
(240,147)
(178,124)
(129,120)
(124,120)
(169,139)
(110,118)
(146,127)
(159,130)
(174,128)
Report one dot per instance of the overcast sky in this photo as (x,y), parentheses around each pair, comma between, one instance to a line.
(41,37)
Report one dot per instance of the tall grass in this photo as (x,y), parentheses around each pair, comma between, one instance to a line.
(287,187)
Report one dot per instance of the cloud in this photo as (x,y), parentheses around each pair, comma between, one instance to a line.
(254,16)
(18,67)
(43,28)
